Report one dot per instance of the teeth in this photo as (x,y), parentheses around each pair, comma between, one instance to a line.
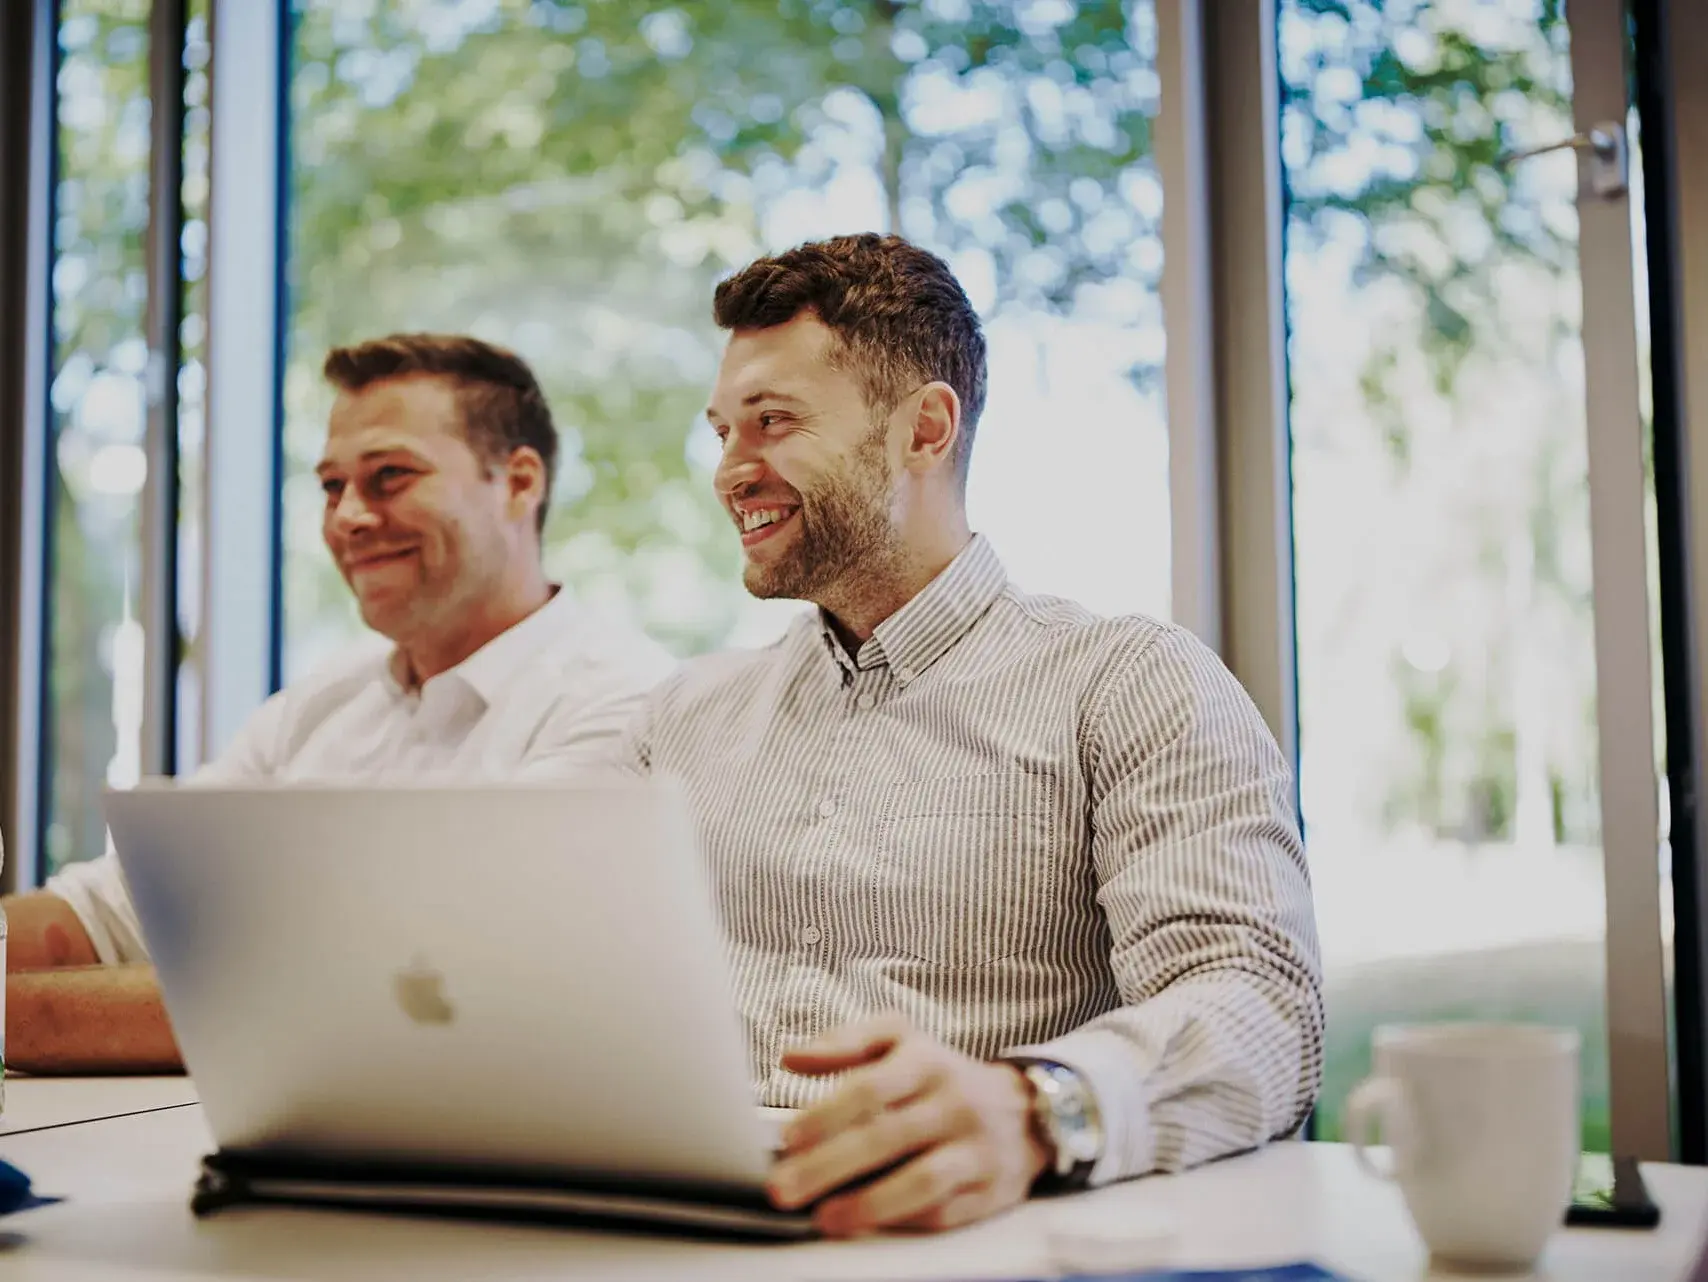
(751,521)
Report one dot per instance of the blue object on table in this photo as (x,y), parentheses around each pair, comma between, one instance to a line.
(15,1194)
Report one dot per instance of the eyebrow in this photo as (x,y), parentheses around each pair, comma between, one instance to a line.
(327,465)
(762,395)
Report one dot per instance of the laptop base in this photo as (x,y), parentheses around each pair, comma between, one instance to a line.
(231,1179)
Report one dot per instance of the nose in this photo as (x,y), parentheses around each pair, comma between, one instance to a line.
(350,514)
(739,467)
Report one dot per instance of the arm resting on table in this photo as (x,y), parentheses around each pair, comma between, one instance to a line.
(43,932)
(1218,1046)
(93,1019)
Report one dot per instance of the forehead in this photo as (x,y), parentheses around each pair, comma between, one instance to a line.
(793,358)
(416,412)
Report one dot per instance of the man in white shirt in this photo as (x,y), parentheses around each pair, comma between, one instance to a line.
(437,473)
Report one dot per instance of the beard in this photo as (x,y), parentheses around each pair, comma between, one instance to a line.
(844,524)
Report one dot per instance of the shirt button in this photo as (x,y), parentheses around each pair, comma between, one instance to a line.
(904,674)
(811,935)
(826,808)
(866,702)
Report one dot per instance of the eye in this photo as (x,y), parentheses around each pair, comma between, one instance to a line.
(390,477)
(721,431)
(770,419)
(331,487)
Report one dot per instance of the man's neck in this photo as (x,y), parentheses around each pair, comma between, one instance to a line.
(857,609)
(419,661)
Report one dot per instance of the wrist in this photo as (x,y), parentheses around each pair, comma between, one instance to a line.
(1040,1153)
(1066,1120)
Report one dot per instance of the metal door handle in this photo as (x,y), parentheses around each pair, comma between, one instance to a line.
(1608,156)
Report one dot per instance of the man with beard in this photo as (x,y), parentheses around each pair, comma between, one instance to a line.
(1015,894)
(436,474)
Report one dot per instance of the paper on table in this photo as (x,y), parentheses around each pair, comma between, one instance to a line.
(1082,1240)
(774,1120)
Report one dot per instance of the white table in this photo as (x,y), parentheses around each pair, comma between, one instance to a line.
(38,1103)
(128,1180)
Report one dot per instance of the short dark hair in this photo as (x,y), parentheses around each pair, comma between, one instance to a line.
(899,316)
(503,407)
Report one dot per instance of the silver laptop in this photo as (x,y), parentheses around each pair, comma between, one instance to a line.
(514,997)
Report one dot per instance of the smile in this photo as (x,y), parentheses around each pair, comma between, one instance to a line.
(762,523)
(378,560)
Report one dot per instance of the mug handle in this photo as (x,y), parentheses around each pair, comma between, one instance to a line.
(1383,1100)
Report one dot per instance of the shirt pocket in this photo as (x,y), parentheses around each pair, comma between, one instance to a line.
(968,867)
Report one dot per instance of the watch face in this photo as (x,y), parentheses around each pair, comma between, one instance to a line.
(1063,1115)
(1082,1144)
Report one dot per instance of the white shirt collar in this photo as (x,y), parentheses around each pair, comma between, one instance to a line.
(489,669)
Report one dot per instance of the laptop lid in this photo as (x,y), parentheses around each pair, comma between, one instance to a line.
(502,978)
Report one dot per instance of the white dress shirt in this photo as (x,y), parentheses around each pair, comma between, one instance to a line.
(1030,830)
(562,683)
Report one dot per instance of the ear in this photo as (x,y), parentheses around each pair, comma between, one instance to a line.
(936,427)
(525,477)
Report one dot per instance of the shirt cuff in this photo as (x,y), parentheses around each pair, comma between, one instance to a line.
(1104,1060)
(97,895)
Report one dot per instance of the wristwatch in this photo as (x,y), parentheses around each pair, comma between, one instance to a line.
(1066,1118)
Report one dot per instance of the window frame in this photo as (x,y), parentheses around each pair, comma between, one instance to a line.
(28,65)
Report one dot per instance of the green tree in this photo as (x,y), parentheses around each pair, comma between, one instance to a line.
(576,177)
(1398,115)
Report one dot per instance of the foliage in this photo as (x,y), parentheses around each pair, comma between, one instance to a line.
(574,178)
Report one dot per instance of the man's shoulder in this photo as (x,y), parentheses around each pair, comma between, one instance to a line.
(304,703)
(348,668)
(735,673)
(1155,659)
(1062,620)
(587,647)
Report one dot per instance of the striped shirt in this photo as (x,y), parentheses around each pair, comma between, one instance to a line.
(1029,829)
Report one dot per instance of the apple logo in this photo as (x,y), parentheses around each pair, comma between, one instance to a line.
(420,991)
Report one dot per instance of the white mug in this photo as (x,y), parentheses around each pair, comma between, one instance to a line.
(1482,1121)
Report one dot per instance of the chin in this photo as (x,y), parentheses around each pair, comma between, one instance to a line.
(759,584)
(382,616)
(778,583)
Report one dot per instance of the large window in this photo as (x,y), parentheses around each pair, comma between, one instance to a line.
(1446,647)
(572,179)
(93,726)
(93,718)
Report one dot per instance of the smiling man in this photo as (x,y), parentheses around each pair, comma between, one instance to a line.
(1015,893)
(437,475)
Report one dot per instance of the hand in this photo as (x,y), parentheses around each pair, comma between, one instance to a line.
(956,1130)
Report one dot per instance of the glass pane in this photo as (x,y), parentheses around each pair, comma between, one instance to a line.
(1446,664)
(572,180)
(192,382)
(93,717)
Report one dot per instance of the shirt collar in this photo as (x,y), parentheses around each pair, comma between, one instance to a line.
(923,630)
(489,669)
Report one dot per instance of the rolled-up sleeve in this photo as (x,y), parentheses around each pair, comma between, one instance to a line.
(96,891)
(1202,877)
